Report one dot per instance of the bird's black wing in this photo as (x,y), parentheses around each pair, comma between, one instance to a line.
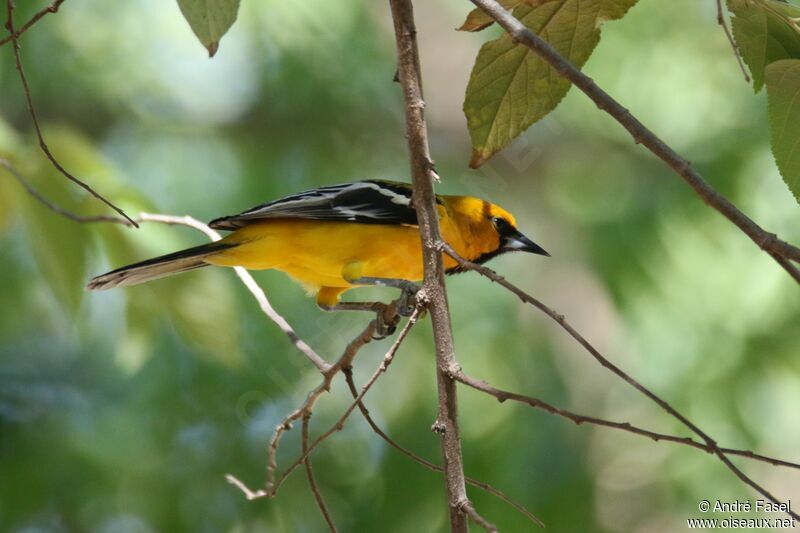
(367,202)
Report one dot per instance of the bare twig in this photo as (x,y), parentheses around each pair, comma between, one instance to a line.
(52,8)
(642,135)
(527,298)
(312,482)
(272,485)
(787,264)
(422,177)
(348,374)
(32,111)
(249,282)
(281,322)
(387,360)
(721,22)
(578,419)
(55,207)
(468,509)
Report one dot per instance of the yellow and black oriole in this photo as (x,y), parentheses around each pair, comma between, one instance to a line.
(331,238)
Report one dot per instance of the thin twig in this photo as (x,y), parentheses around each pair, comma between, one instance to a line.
(409,74)
(578,419)
(768,242)
(312,482)
(272,485)
(607,364)
(32,111)
(281,322)
(52,8)
(339,424)
(348,374)
(55,207)
(468,509)
(250,283)
(787,265)
(721,22)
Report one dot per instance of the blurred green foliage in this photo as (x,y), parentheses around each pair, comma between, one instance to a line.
(122,411)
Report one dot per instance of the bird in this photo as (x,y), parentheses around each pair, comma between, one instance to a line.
(335,238)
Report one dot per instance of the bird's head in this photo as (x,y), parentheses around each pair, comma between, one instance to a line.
(491,230)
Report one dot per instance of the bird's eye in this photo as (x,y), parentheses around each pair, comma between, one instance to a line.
(500,224)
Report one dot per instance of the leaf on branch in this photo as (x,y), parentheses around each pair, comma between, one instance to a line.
(209,19)
(765,31)
(478,20)
(510,87)
(783,89)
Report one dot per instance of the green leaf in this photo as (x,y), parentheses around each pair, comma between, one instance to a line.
(783,89)
(765,31)
(510,87)
(209,19)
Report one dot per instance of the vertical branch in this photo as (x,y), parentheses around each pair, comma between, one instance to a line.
(422,175)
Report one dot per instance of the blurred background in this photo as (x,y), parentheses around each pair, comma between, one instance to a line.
(122,411)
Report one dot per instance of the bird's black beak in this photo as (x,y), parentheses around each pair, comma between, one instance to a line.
(517,242)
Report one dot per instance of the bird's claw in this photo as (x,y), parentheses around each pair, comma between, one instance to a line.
(384,326)
(408,299)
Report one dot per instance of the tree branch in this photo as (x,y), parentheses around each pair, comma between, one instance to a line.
(607,364)
(578,419)
(642,135)
(273,485)
(32,111)
(52,8)
(348,374)
(83,219)
(422,177)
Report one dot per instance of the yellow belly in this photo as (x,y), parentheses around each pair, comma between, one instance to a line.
(326,254)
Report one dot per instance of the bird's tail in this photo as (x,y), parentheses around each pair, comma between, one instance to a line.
(158,267)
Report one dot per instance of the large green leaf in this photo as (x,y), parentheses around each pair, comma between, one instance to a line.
(765,31)
(783,89)
(210,19)
(511,88)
